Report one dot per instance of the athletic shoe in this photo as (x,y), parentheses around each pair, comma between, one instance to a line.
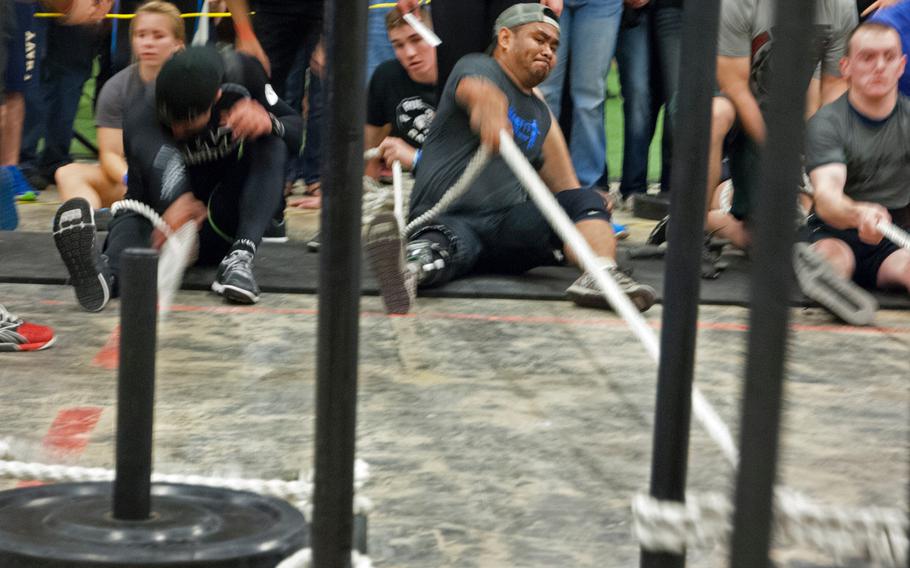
(277,232)
(314,242)
(22,189)
(838,295)
(621,232)
(658,234)
(585,292)
(74,235)
(234,279)
(18,335)
(385,252)
(9,218)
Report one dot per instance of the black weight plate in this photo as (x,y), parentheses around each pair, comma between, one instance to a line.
(70,524)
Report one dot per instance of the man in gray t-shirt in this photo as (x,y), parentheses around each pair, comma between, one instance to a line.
(494,227)
(744,45)
(858,158)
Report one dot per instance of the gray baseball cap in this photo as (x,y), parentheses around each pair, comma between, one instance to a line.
(520,14)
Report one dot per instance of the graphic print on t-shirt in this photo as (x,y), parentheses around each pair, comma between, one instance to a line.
(414,116)
(526,131)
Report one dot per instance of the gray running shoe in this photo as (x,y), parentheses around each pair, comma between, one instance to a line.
(838,295)
(385,252)
(74,235)
(234,279)
(585,292)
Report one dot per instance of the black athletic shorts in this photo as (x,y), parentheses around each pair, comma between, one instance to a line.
(869,258)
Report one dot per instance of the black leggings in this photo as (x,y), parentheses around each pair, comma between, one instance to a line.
(464,26)
(241,200)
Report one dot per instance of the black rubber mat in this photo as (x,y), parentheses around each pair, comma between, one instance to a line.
(27,257)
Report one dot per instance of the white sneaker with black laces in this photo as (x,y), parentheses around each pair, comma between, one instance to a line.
(74,235)
(234,279)
(585,292)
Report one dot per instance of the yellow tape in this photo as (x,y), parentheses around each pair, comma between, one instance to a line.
(131,16)
(392,4)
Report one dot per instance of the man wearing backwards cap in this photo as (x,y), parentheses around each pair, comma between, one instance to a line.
(494,227)
(211,149)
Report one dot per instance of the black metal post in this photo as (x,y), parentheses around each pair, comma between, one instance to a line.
(691,135)
(772,275)
(136,384)
(339,283)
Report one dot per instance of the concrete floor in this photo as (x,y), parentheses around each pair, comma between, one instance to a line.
(499,433)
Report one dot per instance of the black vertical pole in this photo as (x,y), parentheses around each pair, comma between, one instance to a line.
(136,385)
(683,270)
(772,275)
(339,283)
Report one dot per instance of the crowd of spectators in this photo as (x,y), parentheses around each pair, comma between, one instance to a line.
(48,61)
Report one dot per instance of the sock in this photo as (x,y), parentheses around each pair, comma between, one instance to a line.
(244,244)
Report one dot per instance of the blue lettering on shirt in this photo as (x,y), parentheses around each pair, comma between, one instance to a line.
(526,131)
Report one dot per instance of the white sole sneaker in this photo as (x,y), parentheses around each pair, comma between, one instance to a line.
(385,253)
(74,235)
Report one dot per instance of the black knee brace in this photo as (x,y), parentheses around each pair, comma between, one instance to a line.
(583,204)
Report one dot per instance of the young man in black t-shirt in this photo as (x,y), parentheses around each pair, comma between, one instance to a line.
(211,149)
(401,101)
(493,226)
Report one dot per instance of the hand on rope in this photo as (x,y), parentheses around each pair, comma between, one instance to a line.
(185,209)
(393,149)
(895,234)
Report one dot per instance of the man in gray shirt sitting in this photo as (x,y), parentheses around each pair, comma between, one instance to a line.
(858,159)
(494,227)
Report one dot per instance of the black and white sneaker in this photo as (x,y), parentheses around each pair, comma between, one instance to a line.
(234,279)
(277,232)
(74,235)
(585,291)
(386,255)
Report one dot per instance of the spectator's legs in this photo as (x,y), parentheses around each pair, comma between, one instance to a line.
(552,87)
(667,28)
(88,182)
(314,126)
(723,115)
(281,36)
(13,111)
(595,28)
(633,56)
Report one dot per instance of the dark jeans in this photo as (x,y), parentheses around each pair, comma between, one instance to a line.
(464,26)
(51,106)
(633,57)
(241,201)
(667,24)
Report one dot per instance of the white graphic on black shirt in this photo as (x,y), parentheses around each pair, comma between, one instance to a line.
(413,116)
(210,146)
(172,171)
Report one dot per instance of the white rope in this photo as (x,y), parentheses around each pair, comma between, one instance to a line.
(705,520)
(304,559)
(895,234)
(792,507)
(298,492)
(397,186)
(459,188)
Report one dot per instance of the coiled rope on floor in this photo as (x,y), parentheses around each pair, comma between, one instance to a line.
(669,526)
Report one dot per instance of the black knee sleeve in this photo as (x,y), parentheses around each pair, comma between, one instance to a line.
(583,204)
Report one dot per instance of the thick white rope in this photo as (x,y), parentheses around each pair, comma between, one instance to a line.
(895,234)
(705,520)
(789,506)
(376,196)
(298,492)
(397,186)
(304,559)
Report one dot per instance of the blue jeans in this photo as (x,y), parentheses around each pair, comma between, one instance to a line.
(589,30)
(667,24)
(51,104)
(379,48)
(633,56)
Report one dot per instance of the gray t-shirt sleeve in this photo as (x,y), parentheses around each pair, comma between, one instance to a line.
(112,101)
(844,24)
(735,36)
(824,140)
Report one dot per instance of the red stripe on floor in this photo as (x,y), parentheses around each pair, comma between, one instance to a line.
(69,433)
(108,357)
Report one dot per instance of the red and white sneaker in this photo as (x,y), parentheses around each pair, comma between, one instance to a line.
(19,335)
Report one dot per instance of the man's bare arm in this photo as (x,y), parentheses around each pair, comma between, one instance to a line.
(557,171)
(488,108)
(840,211)
(733,79)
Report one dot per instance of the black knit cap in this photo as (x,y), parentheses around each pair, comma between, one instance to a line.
(187,84)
